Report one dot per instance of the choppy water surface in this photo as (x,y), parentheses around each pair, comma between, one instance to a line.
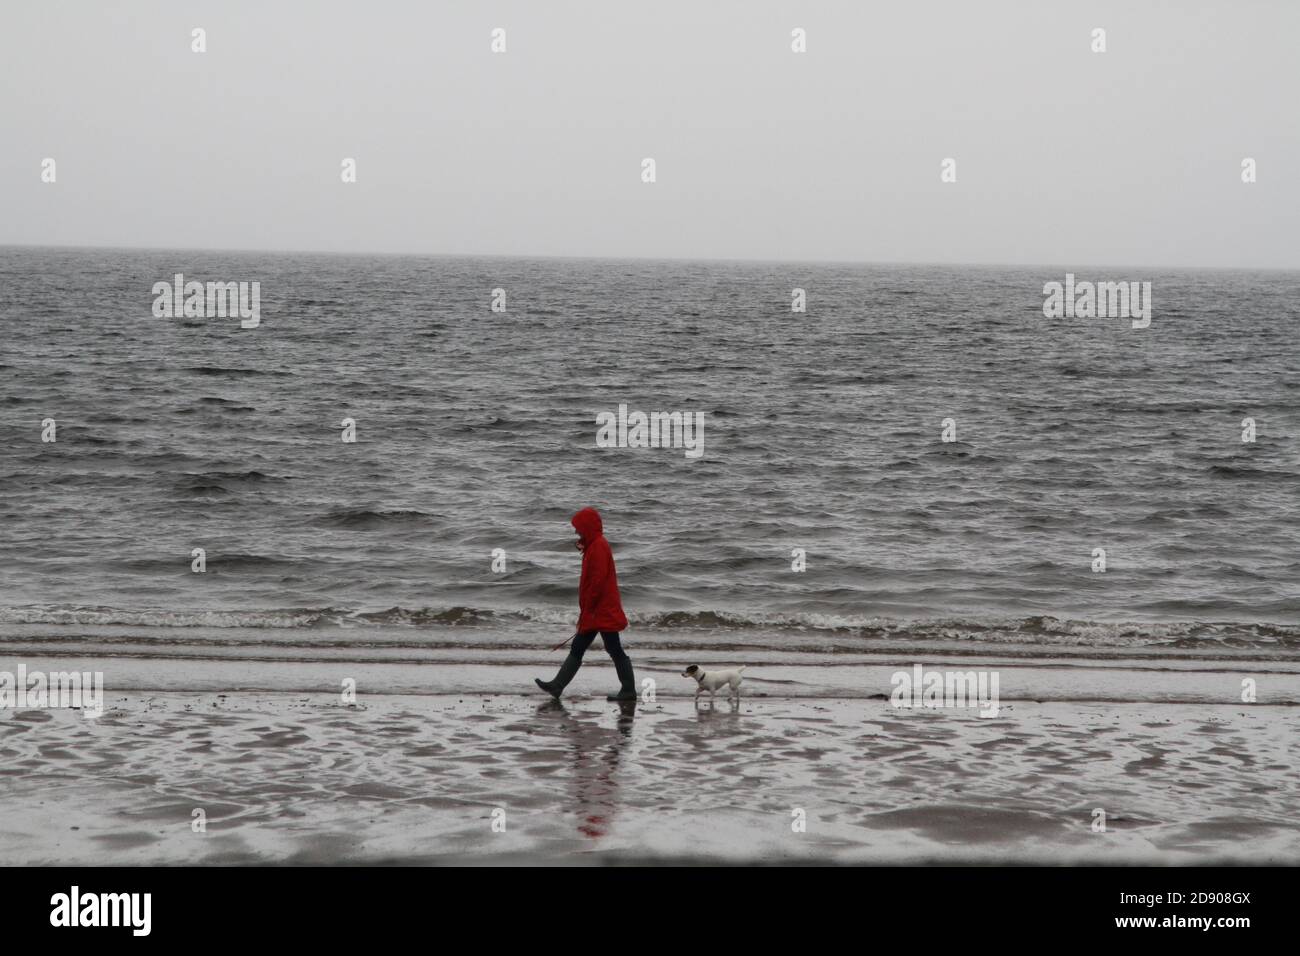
(476,431)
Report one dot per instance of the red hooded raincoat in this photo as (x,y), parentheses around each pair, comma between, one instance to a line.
(599,606)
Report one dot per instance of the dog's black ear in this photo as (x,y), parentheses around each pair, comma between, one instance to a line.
(693,668)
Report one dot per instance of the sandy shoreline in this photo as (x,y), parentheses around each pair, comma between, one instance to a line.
(299,778)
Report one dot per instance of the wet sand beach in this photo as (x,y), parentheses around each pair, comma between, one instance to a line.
(467,778)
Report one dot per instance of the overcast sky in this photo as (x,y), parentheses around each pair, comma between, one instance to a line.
(1131,157)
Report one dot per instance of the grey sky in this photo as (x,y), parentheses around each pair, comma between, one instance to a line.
(1131,157)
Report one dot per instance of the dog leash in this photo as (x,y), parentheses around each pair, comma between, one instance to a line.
(563,642)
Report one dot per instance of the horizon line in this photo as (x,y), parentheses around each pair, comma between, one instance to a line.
(644,258)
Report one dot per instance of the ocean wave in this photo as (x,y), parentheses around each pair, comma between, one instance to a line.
(365,518)
(209,484)
(845,629)
(424,616)
(223,371)
(86,615)
(203,478)
(1243,472)
(214,560)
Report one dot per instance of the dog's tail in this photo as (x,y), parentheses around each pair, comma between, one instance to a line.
(741,668)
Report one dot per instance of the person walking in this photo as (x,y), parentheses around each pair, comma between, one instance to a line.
(600,610)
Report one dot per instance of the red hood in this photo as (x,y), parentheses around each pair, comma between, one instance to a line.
(588,525)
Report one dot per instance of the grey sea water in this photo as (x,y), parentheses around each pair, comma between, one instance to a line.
(476,431)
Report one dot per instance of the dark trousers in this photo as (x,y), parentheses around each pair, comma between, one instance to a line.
(613,646)
(582,641)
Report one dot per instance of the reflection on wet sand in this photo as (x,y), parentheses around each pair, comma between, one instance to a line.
(594,782)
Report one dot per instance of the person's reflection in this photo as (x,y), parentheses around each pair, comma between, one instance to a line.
(596,749)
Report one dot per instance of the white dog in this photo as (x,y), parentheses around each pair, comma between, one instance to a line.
(712,680)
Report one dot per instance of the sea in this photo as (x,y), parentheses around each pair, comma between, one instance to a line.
(918,463)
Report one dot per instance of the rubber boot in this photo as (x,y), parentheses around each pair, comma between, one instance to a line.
(623,667)
(555,686)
